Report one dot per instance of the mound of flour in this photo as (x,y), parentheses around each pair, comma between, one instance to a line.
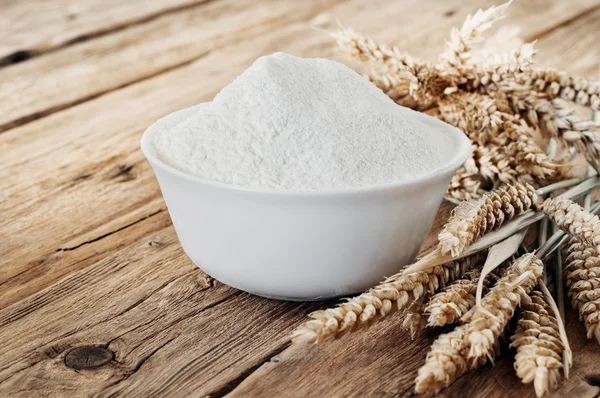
(303,124)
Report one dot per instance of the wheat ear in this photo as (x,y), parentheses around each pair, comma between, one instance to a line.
(480,118)
(415,319)
(555,84)
(498,306)
(473,218)
(574,219)
(539,345)
(395,293)
(500,66)
(583,281)
(451,354)
(455,300)
(462,41)
(446,361)
(394,66)
(558,121)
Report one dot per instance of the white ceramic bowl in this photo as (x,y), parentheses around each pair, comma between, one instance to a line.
(301,245)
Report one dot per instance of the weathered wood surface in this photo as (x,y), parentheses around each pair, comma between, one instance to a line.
(91,68)
(89,256)
(37,26)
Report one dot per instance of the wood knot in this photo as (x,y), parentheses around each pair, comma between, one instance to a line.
(88,357)
(593,380)
(123,173)
(449,13)
(153,243)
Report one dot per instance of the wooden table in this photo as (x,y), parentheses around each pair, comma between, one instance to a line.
(96,294)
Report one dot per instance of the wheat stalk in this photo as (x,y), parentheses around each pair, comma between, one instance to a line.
(572,218)
(583,281)
(395,293)
(473,218)
(498,306)
(539,345)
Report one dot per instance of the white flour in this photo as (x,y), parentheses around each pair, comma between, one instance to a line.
(303,124)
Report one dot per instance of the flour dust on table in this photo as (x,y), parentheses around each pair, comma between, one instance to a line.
(303,124)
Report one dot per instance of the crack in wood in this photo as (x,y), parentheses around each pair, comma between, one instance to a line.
(26,54)
(49,111)
(146,298)
(232,384)
(192,314)
(87,242)
(169,326)
(566,22)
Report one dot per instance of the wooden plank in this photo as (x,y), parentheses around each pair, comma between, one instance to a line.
(88,69)
(63,168)
(114,296)
(384,361)
(339,369)
(94,67)
(573,46)
(36,26)
(171,328)
(49,183)
(53,266)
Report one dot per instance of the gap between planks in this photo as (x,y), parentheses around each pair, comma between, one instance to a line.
(548,31)
(248,32)
(40,113)
(49,111)
(27,54)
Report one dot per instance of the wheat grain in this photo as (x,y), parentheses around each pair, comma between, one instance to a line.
(499,67)
(452,354)
(473,218)
(415,319)
(424,83)
(446,361)
(498,306)
(488,166)
(462,41)
(539,345)
(466,182)
(395,293)
(555,84)
(556,120)
(480,118)
(455,300)
(583,281)
(572,218)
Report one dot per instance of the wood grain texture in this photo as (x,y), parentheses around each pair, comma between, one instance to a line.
(383,362)
(170,327)
(573,46)
(90,68)
(36,26)
(89,256)
(64,168)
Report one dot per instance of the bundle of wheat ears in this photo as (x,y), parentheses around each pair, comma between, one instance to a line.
(528,145)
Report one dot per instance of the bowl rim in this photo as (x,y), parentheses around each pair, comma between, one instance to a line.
(461,151)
